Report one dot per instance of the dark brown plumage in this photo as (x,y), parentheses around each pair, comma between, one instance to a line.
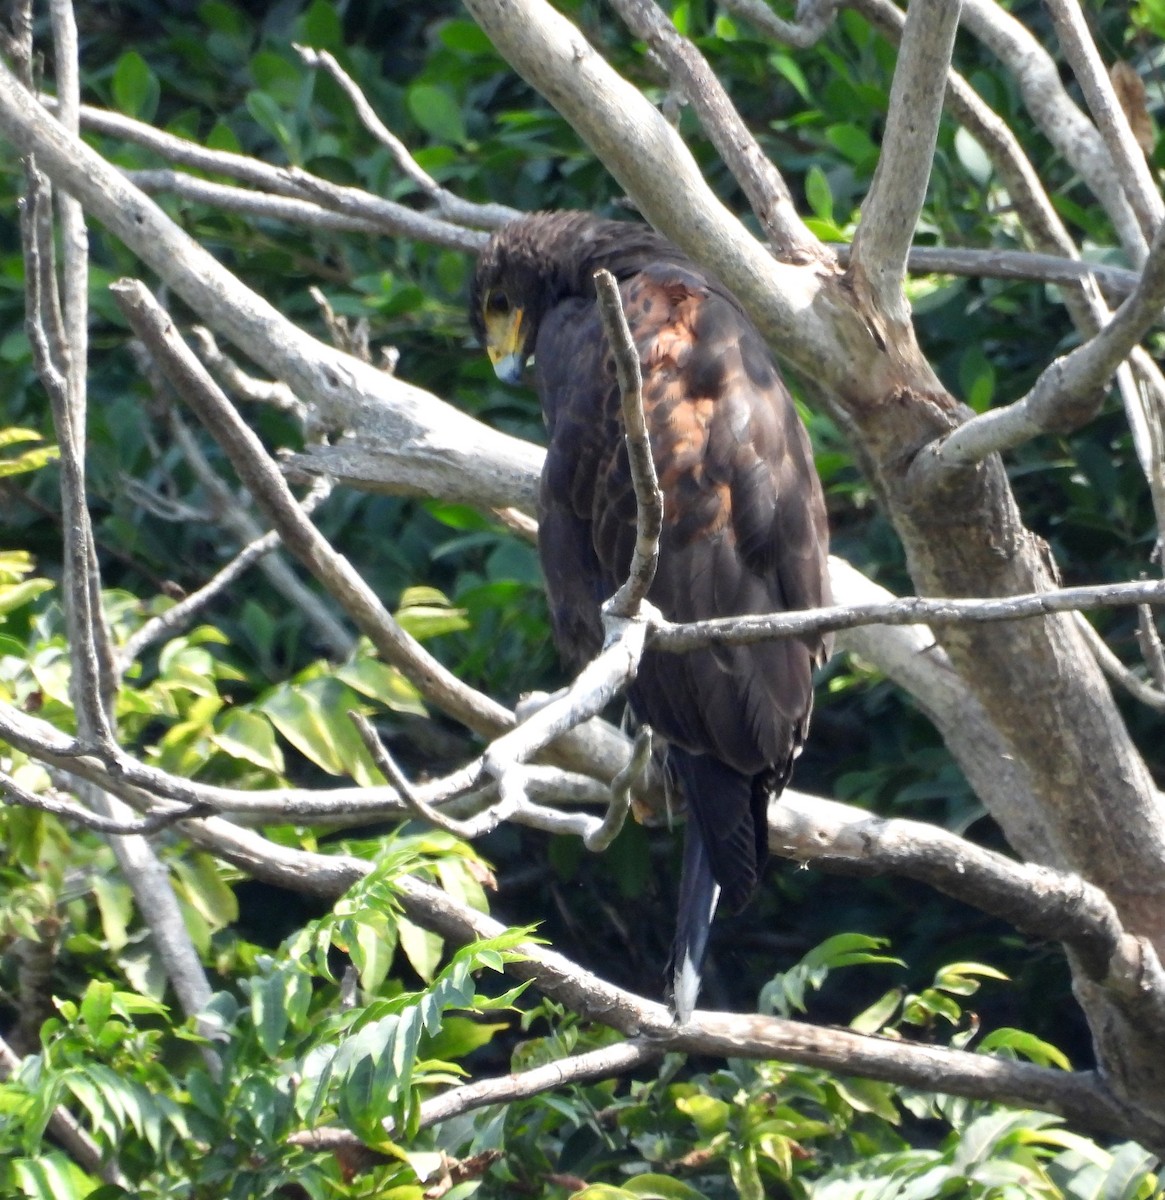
(744,519)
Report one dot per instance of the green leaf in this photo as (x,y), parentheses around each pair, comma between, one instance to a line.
(268,114)
(17,595)
(115,904)
(50,1177)
(372,953)
(421,947)
(709,1113)
(135,87)
(662,1187)
(972,156)
(1031,1047)
(854,143)
(818,194)
(249,736)
(269,1011)
(425,612)
(436,111)
(788,67)
(322,28)
(465,36)
(874,1018)
(374,679)
(96,1005)
(297,715)
(961,978)
(204,887)
(1132,1167)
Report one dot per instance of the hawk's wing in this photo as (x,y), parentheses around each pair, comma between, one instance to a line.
(744,532)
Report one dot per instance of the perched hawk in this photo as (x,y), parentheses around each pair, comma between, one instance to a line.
(744,519)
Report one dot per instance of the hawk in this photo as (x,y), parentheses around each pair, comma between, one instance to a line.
(744,520)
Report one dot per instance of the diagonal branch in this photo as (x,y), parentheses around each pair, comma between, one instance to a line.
(768,194)
(1054,112)
(1132,171)
(192,382)
(1067,392)
(891,209)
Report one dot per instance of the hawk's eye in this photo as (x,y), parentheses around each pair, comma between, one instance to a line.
(497,303)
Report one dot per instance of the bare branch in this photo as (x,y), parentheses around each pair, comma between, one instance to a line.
(51,802)
(467,461)
(604,1063)
(448,205)
(1036,900)
(236,518)
(768,194)
(1132,171)
(391,771)
(167,624)
(231,375)
(382,218)
(1082,1097)
(892,205)
(648,498)
(1057,116)
(189,378)
(906,610)
(814,17)
(1150,642)
(991,262)
(1069,389)
(1118,672)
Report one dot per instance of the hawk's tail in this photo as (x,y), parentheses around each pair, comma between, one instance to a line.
(723,846)
(699,893)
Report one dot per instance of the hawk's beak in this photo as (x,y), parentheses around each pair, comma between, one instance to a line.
(503,344)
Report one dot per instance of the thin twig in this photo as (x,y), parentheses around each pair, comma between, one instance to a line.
(992,262)
(648,498)
(1117,671)
(1037,76)
(1150,642)
(468,829)
(604,1063)
(51,802)
(906,610)
(247,387)
(191,381)
(813,18)
(447,204)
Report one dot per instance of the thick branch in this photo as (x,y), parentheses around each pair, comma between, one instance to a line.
(1081,1097)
